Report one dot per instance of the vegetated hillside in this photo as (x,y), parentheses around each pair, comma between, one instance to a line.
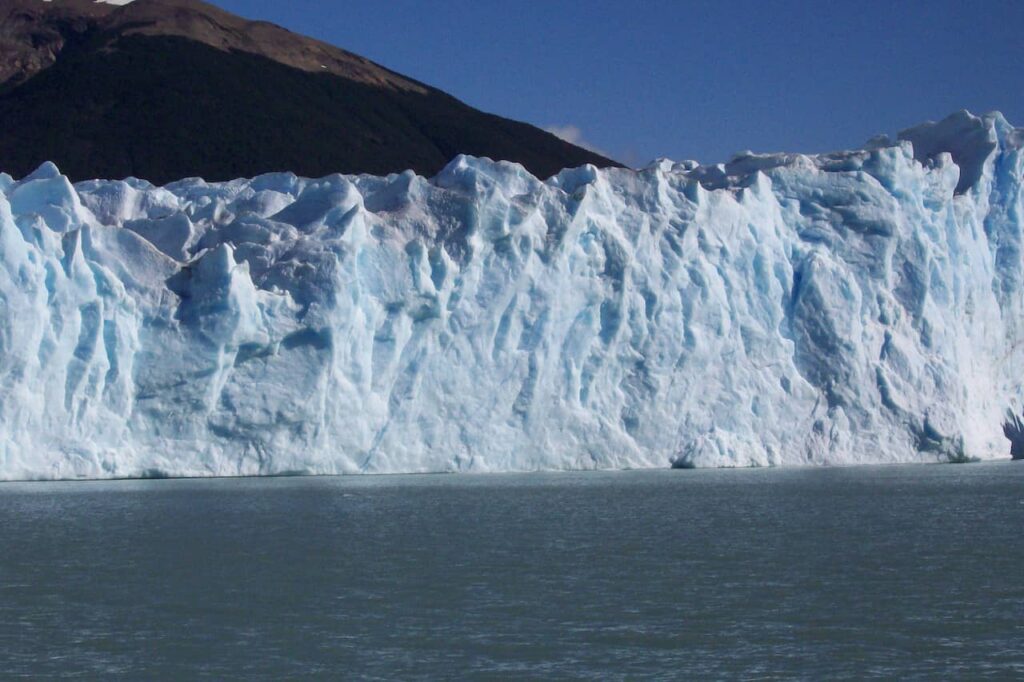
(164,89)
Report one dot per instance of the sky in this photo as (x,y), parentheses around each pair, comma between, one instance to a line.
(690,80)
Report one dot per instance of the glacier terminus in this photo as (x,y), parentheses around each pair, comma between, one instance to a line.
(855,307)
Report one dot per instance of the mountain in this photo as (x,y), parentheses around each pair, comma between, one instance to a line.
(857,307)
(165,89)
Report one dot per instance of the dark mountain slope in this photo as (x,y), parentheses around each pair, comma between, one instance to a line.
(164,89)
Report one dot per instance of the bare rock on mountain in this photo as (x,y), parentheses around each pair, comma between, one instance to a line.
(164,89)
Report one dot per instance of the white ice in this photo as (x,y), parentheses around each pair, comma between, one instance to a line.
(856,307)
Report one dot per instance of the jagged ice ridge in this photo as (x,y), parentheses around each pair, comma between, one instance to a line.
(855,307)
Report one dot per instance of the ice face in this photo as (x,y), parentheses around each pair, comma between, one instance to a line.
(865,306)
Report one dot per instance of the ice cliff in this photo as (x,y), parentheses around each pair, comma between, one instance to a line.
(863,306)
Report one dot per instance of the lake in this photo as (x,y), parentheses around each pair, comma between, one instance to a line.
(912,571)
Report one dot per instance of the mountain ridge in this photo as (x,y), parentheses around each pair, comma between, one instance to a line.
(315,108)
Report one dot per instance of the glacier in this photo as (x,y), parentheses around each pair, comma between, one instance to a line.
(856,307)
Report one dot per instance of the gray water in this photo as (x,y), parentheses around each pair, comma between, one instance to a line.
(841,573)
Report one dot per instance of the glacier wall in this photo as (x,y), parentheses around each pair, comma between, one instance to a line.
(856,307)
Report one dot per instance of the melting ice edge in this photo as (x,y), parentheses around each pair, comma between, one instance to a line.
(855,307)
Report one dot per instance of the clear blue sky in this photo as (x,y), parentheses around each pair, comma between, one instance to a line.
(695,80)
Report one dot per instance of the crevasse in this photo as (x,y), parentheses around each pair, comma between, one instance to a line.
(856,307)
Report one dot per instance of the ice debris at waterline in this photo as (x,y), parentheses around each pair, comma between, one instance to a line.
(863,306)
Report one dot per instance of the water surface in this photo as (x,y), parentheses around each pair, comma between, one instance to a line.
(846,573)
